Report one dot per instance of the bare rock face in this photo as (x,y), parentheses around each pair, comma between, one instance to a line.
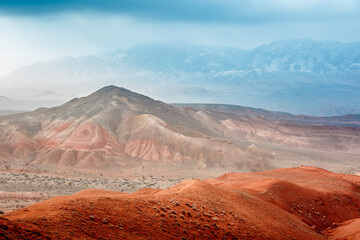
(115,128)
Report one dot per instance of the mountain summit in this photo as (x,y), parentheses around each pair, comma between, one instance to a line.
(117,130)
(124,133)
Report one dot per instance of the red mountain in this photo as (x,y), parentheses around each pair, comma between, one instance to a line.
(125,133)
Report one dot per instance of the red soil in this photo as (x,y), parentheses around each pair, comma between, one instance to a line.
(349,230)
(316,196)
(296,203)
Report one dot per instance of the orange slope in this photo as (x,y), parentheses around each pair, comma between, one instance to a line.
(268,205)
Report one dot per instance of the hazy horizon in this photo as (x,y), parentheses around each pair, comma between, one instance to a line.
(252,59)
(175,43)
(41,31)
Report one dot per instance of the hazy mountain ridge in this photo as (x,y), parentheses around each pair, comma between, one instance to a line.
(306,56)
(9,105)
(297,76)
(320,58)
(225,111)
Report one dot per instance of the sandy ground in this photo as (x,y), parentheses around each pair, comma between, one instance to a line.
(18,190)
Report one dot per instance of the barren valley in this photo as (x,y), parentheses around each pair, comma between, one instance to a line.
(158,166)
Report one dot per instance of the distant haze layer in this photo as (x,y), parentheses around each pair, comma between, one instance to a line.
(296,76)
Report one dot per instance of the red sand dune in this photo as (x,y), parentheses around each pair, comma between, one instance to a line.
(295,203)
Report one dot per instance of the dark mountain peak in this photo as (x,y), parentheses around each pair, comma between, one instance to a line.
(107,99)
(112,98)
(108,92)
(110,88)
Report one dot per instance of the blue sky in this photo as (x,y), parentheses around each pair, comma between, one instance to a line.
(39,30)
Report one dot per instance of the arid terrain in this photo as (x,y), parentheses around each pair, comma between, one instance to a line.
(22,189)
(189,120)
(295,203)
(121,133)
(120,165)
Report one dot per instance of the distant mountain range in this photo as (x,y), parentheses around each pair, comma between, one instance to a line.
(31,102)
(297,76)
